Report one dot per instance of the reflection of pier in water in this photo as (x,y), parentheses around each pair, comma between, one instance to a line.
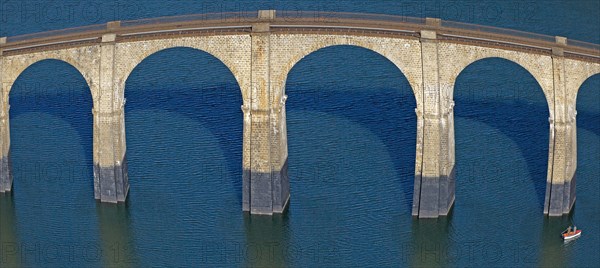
(9,245)
(430,245)
(267,242)
(554,251)
(118,248)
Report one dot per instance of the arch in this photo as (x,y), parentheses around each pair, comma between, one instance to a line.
(233,51)
(586,79)
(577,73)
(84,59)
(405,54)
(187,101)
(52,112)
(457,57)
(519,123)
(396,156)
(583,113)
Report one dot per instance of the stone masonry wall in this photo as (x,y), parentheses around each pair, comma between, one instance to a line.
(261,62)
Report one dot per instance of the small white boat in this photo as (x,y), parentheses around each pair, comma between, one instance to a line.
(571,233)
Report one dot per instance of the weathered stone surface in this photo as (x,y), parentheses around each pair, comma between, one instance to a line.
(233,50)
(260,62)
(560,197)
(266,185)
(456,57)
(85,59)
(289,49)
(113,182)
(6,178)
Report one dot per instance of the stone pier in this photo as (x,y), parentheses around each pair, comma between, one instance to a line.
(562,159)
(111,182)
(5,164)
(6,178)
(266,187)
(434,175)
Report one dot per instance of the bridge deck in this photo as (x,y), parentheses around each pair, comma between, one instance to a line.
(299,22)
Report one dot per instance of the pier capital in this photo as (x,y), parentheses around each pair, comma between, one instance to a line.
(449,109)
(4,111)
(245,109)
(419,113)
(118,109)
(281,103)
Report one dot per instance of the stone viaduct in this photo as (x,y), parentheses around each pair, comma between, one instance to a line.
(261,47)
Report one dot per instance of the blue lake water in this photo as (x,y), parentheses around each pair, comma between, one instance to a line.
(351,133)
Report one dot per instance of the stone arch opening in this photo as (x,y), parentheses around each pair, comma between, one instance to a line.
(346,108)
(10,76)
(134,55)
(51,149)
(403,64)
(55,90)
(501,131)
(537,67)
(184,133)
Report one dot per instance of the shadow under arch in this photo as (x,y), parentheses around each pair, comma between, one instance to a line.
(68,97)
(184,140)
(588,149)
(519,112)
(587,104)
(389,97)
(184,95)
(351,142)
(51,148)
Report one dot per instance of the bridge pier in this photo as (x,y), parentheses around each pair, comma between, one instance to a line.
(434,173)
(562,160)
(111,182)
(266,186)
(6,178)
